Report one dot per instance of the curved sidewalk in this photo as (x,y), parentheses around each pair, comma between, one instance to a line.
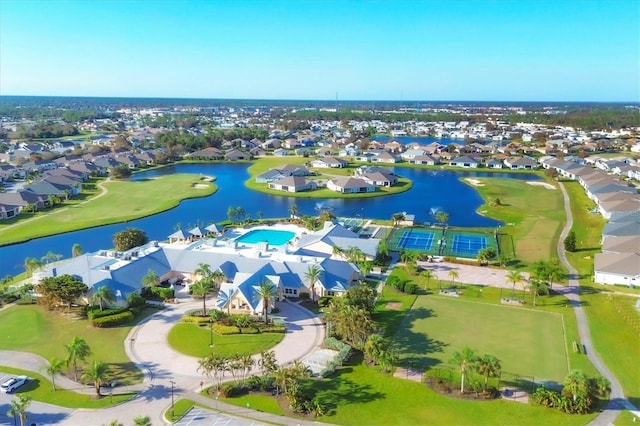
(617,401)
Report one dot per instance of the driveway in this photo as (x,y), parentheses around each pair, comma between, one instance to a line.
(167,373)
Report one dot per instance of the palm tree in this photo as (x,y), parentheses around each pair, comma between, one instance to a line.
(201,289)
(31,264)
(76,250)
(267,292)
(428,274)
(204,271)
(537,287)
(55,367)
(103,296)
(374,347)
(217,277)
(96,373)
(576,384)
(488,366)
(77,350)
(397,218)
(514,277)
(338,251)
(267,362)
(465,360)
(313,275)
(442,217)
(19,408)
(554,270)
(453,274)
(232,214)
(293,211)
(151,279)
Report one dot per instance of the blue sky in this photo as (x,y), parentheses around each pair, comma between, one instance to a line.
(518,50)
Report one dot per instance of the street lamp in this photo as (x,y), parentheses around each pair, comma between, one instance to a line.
(172,411)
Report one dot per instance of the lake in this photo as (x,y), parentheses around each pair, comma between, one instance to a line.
(432,190)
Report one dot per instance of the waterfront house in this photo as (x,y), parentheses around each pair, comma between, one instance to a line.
(329,162)
(465,162)
(380,178)
(210,153)
(520,163)
(236,155)
(350,185)
(429,160)
(292,184)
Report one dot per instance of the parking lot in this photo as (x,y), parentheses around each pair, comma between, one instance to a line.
(202,417)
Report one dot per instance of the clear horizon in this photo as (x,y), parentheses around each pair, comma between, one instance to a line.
(410,51)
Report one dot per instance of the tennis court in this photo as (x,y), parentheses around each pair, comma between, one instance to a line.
(467,244)
(416,239)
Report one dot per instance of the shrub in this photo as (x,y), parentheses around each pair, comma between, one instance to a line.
(94,312)
(249,330)
(113,320)
(229,390)
(225,330)
(157,293)
(134,299)
(324,301)
(273,329)
(411,288)
(195,320)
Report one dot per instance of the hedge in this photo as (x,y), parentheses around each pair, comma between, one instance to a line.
(224,330)
(273,329)
(95,312)
(113,320)
(195,319)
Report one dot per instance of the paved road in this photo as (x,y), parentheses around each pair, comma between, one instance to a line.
(617,401)
(166,372)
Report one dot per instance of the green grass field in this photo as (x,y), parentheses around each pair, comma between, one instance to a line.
(533,216)
(135,199)
(34,329)
(360,395)
(41,389)
(527,342)
(192,340)
(614,326)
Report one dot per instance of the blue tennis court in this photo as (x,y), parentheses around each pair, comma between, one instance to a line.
(416,239)
(468,244)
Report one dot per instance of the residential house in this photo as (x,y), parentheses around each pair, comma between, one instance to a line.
(350,185)
(292,184)
(466,162)
(329,162)
(520,163)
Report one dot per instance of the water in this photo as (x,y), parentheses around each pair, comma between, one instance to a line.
(432,190)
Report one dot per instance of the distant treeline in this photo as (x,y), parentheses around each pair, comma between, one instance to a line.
(44,130)
(586,119)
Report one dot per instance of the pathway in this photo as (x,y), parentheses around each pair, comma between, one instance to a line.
(168,374)
(617,401)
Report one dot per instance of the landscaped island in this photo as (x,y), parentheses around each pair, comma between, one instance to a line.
(328,177)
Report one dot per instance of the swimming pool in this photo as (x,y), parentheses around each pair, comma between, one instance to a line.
(273,237)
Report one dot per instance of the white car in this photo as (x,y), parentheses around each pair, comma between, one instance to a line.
(13,384)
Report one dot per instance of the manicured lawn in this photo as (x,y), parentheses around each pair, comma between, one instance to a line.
(588,228)
(360,395)
(615,332)
(34,329)
(527,342)
(40,389)
(533,216)
(135,199)
(363,395)
(263,164)
(192,340)
(180,407)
